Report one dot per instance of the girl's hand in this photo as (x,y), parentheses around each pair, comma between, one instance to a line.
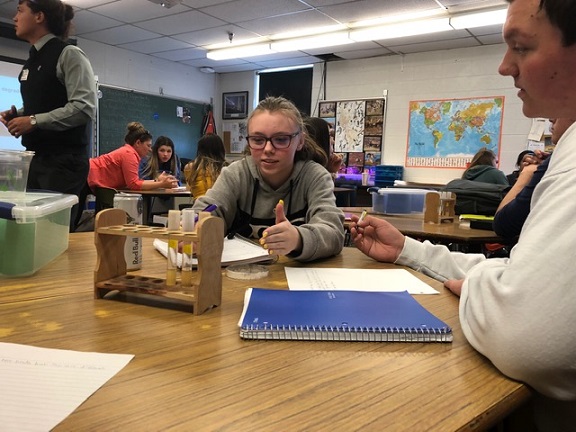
(282,238)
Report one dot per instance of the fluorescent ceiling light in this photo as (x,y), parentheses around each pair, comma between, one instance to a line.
(397,30)
(240,52)
(310,32)
(311,42)
(479,19)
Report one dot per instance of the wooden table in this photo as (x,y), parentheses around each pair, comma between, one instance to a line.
(195,373)
(147,196)
(413,225)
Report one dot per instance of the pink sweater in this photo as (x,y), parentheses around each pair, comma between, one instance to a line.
(117,169)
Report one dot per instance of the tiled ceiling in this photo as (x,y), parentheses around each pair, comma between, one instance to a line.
(182,32)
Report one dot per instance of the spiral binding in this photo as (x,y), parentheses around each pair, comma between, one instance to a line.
(347,334)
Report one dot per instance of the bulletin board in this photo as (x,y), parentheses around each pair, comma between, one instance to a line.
(178,119)
(358,132)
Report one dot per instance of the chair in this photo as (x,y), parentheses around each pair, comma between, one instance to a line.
(104,198)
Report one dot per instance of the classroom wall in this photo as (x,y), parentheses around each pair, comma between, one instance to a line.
(458,73)
(121,68)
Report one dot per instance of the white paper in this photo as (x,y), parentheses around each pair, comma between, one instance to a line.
(300,278)
(40,387)
(236,250)
(537,129)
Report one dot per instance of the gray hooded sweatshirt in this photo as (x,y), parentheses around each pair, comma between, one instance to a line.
(246,203)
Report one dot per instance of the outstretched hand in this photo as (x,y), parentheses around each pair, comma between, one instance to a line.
(282,238)
(377,238)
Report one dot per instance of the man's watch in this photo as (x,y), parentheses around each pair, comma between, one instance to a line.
(33,120)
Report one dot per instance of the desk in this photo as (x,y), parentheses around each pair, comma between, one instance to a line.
(413,225)
(147,196)
(345,196)
(195,373)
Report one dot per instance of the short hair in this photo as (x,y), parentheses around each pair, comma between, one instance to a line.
(562,14)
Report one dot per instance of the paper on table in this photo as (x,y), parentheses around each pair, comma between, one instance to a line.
(41,387)
(355,280)
(236,251)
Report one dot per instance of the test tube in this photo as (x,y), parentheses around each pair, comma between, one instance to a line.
(172,262)
(188,222)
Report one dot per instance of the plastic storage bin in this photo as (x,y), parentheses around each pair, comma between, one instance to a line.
(33,231)
(14,167)
(398,201)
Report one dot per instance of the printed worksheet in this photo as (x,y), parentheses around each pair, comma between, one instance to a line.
(308,278)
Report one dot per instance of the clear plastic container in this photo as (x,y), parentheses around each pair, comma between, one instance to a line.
(14,167)
(33,231)
(398,201)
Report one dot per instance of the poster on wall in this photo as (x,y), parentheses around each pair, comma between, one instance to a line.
(238,132)
(447,133)
(358,130)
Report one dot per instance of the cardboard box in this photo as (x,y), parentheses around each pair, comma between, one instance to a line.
(33,231)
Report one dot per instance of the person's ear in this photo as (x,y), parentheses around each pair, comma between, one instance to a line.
(39,17)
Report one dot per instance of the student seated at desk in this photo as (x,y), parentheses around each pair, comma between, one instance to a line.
(163,159)
(202,172)
(119,168)
(515,207)
(483,168)
(525,158)
(519,312)
(278,193)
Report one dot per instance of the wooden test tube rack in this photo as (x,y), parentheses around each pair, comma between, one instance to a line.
(440,208)
(110,232)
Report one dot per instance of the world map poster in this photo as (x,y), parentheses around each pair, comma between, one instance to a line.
(447,133)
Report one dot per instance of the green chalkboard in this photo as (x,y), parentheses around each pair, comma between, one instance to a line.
(158,114)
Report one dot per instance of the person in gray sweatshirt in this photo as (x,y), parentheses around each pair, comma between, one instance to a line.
(281,193)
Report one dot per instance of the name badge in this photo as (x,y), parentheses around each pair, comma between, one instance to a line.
(24,75)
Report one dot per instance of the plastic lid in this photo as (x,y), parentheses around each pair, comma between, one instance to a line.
(35,205)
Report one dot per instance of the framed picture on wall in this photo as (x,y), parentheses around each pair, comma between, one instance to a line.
(235,105)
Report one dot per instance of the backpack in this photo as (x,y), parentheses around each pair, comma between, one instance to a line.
(474,197)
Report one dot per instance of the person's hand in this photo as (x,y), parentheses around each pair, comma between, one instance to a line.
(19,126)
(527,172)
(6,116)
(541,155)
(377,238)
(283,237)
(454,285)
(167,181)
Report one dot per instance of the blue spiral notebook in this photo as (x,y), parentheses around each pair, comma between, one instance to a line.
(339,316)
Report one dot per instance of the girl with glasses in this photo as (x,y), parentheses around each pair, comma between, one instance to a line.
(279,193)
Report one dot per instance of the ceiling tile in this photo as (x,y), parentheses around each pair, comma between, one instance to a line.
(215,35)
(90,22)
(132,11)
(181,23)
(244,10)
(119,35)
(154,45)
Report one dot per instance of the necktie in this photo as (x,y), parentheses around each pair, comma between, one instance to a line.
(33,52)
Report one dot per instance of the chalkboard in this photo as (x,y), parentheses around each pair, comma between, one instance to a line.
(158,114)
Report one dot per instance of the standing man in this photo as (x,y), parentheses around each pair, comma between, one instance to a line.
(59,100)
(520,312)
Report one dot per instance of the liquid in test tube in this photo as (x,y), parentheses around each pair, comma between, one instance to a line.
(188,222)
(172,262)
